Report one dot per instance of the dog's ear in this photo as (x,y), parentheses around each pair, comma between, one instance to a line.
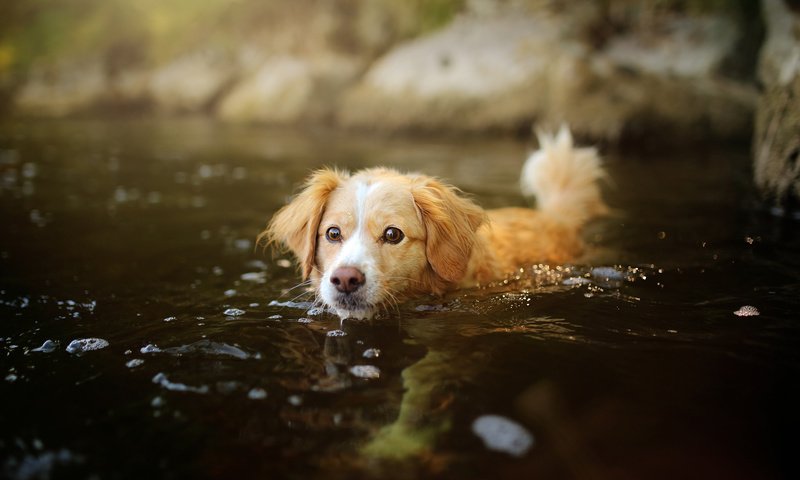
(450,222)
(295,225)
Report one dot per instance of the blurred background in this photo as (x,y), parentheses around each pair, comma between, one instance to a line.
(145,143)
(615,70)
(610,68)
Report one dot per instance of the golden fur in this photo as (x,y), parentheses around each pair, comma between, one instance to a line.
(449,241)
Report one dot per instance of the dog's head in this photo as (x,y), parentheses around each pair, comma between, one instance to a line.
(369,239)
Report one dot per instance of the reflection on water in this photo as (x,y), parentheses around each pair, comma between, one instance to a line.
(143,333)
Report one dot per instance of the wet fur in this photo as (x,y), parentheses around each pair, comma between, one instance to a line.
(451,242)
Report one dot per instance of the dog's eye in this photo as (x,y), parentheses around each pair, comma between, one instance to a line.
(393,235)
(333,234)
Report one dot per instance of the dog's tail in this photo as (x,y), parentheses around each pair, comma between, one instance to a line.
(564,179)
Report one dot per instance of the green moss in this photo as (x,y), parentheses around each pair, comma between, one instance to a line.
(156,30)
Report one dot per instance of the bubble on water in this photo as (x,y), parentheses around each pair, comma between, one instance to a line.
(274,317)
(371,353)
(11,377)
(607,273)
(162,380)
(337,333)
(295,400)
(47,347)
(81,345)
(150,348)
(242,244)
(37,218)
(133,363)
(257,394)
(157,402)
(747,311)
(29,170)
(257,264)
(233,312)
(365,371)
(170,319)
(253,305)
(576,281)
(315,311)
(255,277)
(283,263)
(205,171)
(120,195)
(230,292)
(503,435)
(304,320)
(217,271)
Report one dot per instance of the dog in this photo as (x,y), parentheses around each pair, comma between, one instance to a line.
(370,239)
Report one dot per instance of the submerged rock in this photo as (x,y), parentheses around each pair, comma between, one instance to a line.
(503,435)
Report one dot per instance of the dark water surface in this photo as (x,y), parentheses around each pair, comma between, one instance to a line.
(142,234)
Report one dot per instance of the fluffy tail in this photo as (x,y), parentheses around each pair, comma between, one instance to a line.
(564,179)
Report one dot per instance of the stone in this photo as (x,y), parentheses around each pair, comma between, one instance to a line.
(777,132)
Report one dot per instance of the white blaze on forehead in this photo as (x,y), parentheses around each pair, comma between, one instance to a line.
(354,251)
(363,189)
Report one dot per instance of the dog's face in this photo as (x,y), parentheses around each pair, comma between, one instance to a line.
(370,239)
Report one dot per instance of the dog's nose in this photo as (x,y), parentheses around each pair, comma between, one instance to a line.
(347,279)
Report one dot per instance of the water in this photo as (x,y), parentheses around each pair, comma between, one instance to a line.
(646,359)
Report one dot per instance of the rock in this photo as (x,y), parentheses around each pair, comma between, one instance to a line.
(60,90)
(503,435)
(192,82)
(503,70)
(285,89)
(777,132)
